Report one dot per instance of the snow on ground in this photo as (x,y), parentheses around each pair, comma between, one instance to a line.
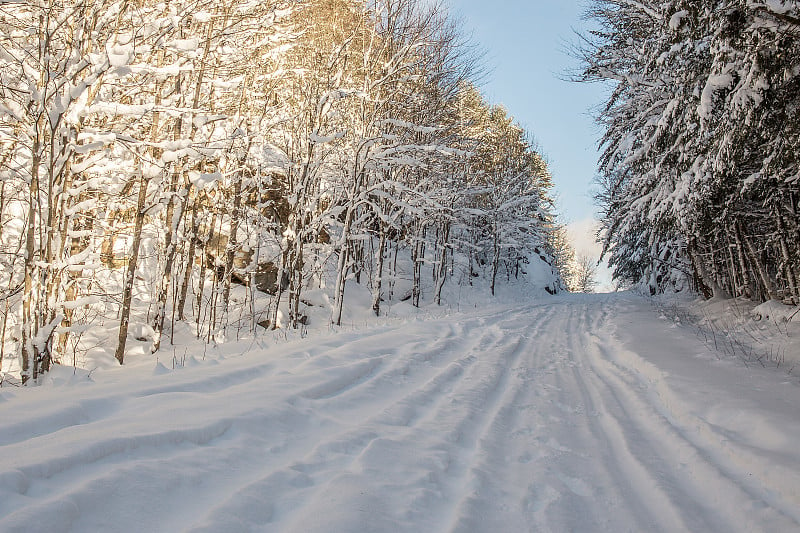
(766,334)
(580,413)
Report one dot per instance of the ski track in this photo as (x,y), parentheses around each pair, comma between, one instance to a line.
(537,417)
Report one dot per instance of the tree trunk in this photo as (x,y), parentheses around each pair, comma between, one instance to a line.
(442,266)
(172,220)
(8,298)
(769,292)
(734,286)
(296,286)
(233,242)
(495,258)
(417,258)
(717,278)
(393,278)
(788,265)
(204,259)
(133,260)
(187,273)
(700,277)
(342,268)
(127,287)
(30,298)
(377,282)
(189,266)
(740,254)
(283,272)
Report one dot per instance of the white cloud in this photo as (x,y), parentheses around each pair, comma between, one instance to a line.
(583,237)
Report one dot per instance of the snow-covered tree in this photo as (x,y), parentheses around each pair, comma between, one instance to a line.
(699,168)
(54,57)
(155,155)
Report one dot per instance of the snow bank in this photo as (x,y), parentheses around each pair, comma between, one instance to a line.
(762,334)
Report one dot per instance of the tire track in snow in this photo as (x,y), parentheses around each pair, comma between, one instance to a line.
(433,451)
(523,445)
(307,468)
(107,401)
(563,459)
(65,487)
(74,472)
(727,471)
(105,465)
(695,486)
(404,362)
(530,418)
(491,449)
(631,473)
(54,418)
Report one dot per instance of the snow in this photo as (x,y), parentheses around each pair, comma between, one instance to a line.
(781,6)
(581,413)
(119,56)
(202,180)
(774,310)
(766,334)
(714,84)
(202,17)
(426,130)
(80,302)
(93,136)
(323,139)
(185,45)
(676,20)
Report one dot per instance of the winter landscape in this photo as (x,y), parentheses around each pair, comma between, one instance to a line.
(283,266)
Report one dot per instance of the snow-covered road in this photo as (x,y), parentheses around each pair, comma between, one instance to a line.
(577,413)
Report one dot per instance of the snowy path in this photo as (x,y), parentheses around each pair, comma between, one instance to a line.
(582,413)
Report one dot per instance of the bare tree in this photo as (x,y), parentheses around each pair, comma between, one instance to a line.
(585,274)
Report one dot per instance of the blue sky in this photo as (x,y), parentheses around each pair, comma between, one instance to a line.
(526,42)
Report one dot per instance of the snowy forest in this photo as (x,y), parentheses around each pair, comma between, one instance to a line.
(700,165)
(285,266)
(222,164)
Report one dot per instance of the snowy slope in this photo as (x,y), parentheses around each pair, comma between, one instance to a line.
(584,413)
